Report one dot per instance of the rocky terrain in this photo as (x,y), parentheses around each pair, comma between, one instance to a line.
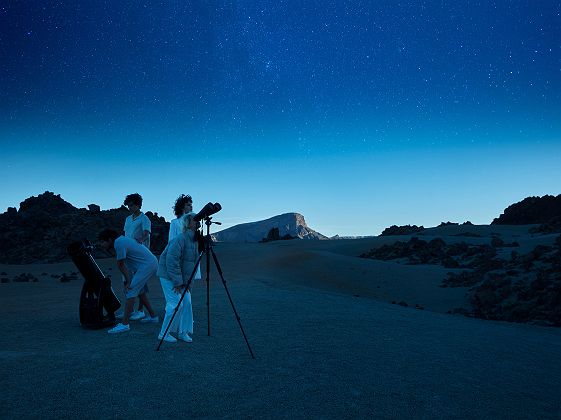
(402,230)
(503,285)
(545,211)
(44,225)
(292,224)
(42,228)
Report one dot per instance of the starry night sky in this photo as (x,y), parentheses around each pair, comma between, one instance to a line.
(358,114)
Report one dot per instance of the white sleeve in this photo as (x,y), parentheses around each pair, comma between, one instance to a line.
(173,230)
(146,224)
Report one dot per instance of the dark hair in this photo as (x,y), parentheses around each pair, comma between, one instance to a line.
(180,204)
(133,199)
(108,235)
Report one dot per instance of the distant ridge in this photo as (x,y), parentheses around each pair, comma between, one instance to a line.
(292,224)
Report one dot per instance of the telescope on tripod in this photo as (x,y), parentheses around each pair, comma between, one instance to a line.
(205,214)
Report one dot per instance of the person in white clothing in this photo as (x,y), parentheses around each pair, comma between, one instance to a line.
(137,227)
(174,269)
(137,224)
(138,265)
(183,205)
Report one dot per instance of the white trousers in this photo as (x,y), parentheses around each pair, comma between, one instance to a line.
(183,321)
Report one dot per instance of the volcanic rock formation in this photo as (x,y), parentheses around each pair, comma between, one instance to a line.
(44,225)
(292,224)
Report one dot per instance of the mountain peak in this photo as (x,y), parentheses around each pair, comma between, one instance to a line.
(292,224)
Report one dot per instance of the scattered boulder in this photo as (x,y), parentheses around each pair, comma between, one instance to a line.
(25,278)
(66,278)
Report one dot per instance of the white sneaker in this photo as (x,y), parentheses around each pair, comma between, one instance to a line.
(119,328)
(185,337)
(168,338)
(136,315)
(147,318)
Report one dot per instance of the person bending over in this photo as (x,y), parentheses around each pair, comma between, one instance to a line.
(137,264)
(137,227)
(174,269)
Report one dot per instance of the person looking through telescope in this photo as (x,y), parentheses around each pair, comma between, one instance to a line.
(177,262)
(138,265)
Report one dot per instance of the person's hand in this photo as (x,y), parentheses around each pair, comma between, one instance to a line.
(127,285)
(178,289)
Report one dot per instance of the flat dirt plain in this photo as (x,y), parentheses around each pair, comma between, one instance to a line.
(327,340)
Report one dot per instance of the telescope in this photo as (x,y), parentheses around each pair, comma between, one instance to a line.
(97,293)
(208,210)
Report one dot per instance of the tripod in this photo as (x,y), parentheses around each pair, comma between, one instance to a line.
(207,251)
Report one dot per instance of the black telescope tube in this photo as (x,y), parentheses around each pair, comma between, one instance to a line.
(208,210)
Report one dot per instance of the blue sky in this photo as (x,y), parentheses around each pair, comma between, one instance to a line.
(356,114)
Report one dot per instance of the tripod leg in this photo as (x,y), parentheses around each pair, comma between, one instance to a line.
(180,300)
(231,301)
(207,247)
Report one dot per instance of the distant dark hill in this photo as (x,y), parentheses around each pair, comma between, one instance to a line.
(44,225)
(292,224)
(532,210)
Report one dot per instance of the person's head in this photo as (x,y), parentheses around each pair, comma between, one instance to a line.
(106,238)
(133,202)
(189,223)
(183,205)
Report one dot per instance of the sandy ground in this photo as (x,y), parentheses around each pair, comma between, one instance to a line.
(327,344)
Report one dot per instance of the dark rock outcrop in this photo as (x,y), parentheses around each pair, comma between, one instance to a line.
(532,210)
(401,230)
(436,251)
(44,225)
(274,235)
(292,224)
(524,288)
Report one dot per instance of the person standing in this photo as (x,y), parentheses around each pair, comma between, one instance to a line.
(138,265)
(137,227)
(183,205)
(174,269)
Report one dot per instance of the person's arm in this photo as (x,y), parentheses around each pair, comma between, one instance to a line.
(145,235)
(173,232)
(146,228)
(125,271)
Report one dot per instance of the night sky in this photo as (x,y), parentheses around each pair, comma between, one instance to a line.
(357,114)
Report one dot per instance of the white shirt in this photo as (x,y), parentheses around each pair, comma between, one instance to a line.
(136,256)
(134,228)
(175,228)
